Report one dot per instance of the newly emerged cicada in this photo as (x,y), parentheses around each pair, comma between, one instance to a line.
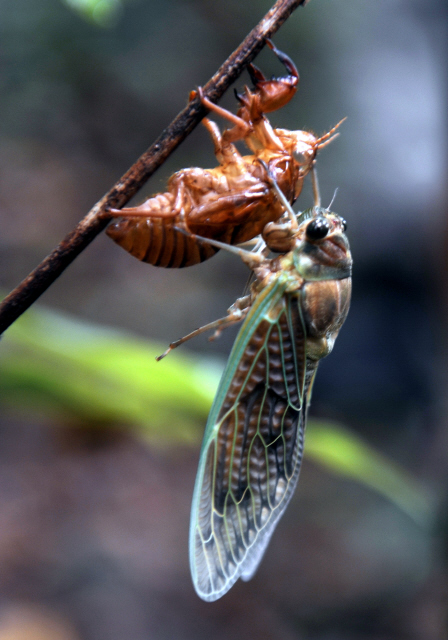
(253,442)
(233,202)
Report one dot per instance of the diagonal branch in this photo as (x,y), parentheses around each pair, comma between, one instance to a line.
(38,281)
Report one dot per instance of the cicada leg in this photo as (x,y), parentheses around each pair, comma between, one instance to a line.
(164,205)
(257,245)
(315,183)
(226,153)
(235,313)
(224,113)
(253,260)
(234,208)
(240,127)
(281,196)
(271,94)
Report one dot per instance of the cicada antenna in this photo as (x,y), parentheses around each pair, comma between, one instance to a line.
(332,199)
(328,137)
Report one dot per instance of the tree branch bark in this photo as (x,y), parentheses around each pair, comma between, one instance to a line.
(38,281)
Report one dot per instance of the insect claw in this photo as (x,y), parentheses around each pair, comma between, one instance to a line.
(238,96)
(256,74)
(284,59)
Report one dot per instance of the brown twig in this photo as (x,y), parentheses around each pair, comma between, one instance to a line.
(75,242)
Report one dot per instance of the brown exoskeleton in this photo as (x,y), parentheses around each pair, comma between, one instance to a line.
(233,202)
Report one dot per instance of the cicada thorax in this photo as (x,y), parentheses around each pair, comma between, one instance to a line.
(325,305)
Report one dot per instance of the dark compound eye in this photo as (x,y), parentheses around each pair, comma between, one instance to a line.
(317,228)
(343,223)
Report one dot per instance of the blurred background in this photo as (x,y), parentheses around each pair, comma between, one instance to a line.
(99,445)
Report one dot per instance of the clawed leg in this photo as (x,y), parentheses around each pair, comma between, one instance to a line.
(230,209)
(161,205)
(253,260)
(236,313)
(284,59)
(272,94)
(215,135)
(140,212)
(240,127)
(227,115)
(281,196)
(225,152)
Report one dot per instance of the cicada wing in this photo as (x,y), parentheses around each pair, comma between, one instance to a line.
(253,445)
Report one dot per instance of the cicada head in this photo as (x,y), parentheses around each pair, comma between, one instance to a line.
(302,146)
(322,250)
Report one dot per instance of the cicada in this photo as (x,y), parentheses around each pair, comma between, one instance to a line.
(232,202)
(253,442)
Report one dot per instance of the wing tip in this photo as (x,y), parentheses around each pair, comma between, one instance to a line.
(206,591)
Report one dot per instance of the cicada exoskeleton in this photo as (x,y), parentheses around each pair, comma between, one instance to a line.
(233,202)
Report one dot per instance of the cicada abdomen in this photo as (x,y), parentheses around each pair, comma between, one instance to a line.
(152,236)
(159,242)
(253,443)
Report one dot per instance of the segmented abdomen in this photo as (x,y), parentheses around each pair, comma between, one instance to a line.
(158,242)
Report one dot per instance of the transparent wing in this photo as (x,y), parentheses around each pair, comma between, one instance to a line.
(253,445)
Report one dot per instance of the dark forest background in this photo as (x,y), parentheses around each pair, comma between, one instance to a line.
(94,519)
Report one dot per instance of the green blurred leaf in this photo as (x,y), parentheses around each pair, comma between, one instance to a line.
(344,453)
(73,370)
(103,13)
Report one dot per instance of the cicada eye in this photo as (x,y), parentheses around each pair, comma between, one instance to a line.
(317,228)
(299,157)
